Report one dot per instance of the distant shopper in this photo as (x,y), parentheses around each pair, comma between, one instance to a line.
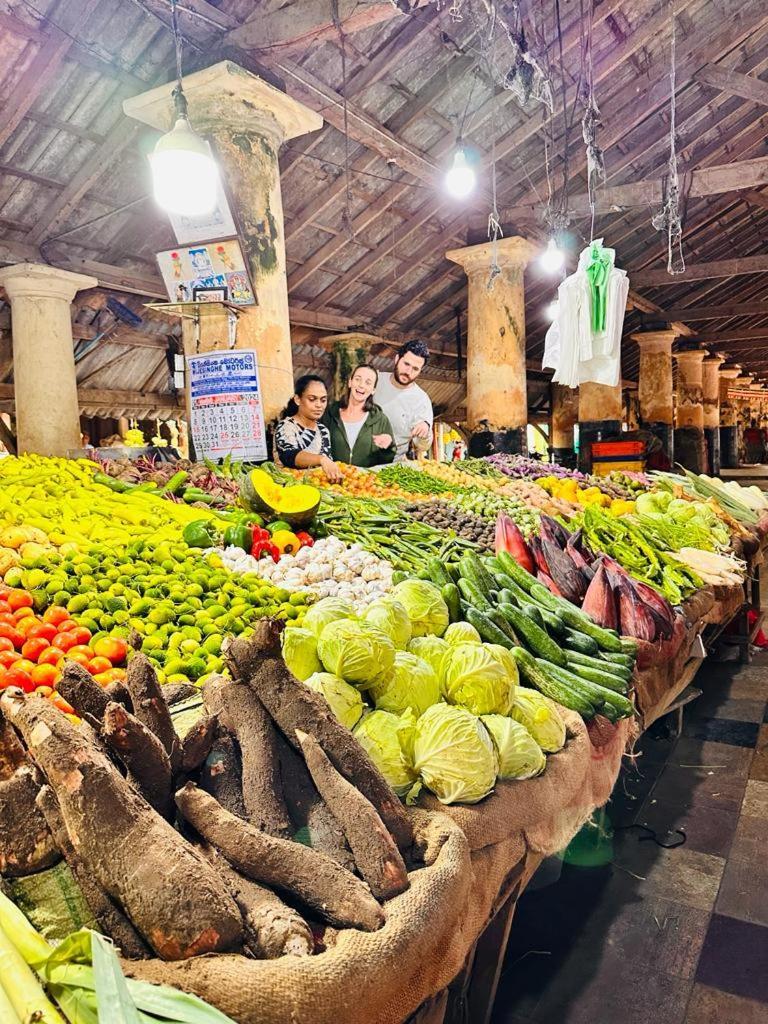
(754,444)
(360,432)
(406,405)
(301,440)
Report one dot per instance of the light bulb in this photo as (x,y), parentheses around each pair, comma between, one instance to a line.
(552,310)
(460,179)
(553,258)
(184,174)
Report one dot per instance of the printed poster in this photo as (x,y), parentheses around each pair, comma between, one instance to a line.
(226,407)
(209,271)
(219,223)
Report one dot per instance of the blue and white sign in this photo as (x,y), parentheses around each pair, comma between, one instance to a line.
(225,400)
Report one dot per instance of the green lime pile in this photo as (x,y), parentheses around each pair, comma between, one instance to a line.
(183,603)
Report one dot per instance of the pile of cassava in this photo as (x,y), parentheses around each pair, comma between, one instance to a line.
(265,830)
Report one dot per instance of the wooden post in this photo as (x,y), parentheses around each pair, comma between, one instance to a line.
(689,415)
(654,390)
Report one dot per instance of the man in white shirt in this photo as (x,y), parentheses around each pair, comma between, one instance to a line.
(406,405)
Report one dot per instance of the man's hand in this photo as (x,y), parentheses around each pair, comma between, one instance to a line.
(421,429)
(382,440)
(332,472)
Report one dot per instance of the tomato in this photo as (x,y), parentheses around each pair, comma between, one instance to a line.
(17,677)
(24,613)
(51,656)
(25,625)
(19,599)
(44,675)
(80,633)
(61,704)
(33,648)
(12,634)
(5,644)
(44,630)
(43,691)
(79,657)
(111,647)
(55,615)
(67,626)
(8,617)
(8,658)
(82,649)
(64,641)
(97,665)
(24,664)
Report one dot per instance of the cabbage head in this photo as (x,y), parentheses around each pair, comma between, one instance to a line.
(520,756)
(432,649)
(300,652)
(475,679)
(426,608)
(462,633)
(412,683)
(504,655)
(540,717)
(343,699)
(329,609)
(388,741)
(357,651)
(390,615)
(454,755)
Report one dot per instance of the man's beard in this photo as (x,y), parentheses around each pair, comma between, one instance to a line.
(402,380)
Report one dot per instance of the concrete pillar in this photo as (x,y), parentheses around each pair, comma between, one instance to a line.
(711,398)
(600,415)
(348,350)
(246,120)
(689,415)
(729,431)
(497,400)
(565,415)
(655,386)
(45,384)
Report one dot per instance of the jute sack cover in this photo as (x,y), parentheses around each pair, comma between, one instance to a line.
(366,977)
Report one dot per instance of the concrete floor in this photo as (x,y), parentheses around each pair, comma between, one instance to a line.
(678,936)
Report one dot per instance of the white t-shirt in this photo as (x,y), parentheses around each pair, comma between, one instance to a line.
(352,430)
(404,408)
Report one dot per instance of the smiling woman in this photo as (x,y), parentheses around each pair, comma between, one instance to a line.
(301,441)
(360,432)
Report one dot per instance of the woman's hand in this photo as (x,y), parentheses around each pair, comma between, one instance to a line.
(382,440)
(332,472)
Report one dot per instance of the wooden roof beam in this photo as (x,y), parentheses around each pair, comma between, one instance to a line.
(720,311)
(700,272)
(745,86)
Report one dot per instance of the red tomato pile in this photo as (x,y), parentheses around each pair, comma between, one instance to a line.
(33,649)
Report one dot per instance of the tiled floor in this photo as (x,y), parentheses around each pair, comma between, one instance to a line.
(654,935)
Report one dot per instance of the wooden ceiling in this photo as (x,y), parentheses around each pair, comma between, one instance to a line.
(366,244)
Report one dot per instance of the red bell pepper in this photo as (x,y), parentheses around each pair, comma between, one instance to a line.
(304,539)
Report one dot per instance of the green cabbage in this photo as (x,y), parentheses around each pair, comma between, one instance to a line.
(388,741)
(390,615)
(520,756)
(412,683)
(329,609)
(359,652)
(504,655)
(475,679)
(432,650)
(426,608)
(343,699)
(454,755)
(462,633)
(300,652)
(540,717)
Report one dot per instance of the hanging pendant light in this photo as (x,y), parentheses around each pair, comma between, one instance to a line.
(184,173)
(553,257)
(460,179)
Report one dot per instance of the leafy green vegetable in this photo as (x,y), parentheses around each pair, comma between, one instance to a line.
(391,616)
(426,608)
(343,699)
(431,649)
(359,652)
(412,683)
(462,633)
(300,652)
(454,755)
(475,679)
(540,717)
(388,740)
(329,609)
(520,756)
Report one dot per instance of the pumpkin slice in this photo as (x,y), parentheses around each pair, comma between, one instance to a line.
(296,503)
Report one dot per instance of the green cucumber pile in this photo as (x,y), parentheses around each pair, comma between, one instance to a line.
(558,649)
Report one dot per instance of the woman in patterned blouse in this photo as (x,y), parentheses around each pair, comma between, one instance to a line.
(301,441)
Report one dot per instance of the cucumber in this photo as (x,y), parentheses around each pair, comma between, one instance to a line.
(451,597)
(546,598)
(553,622)
(521,596)
(596,693)
(629,646)
(517,572)
(533,636)
(474,596)
(507,597)
(488,630)
(534,614)
(452,568)
(606,639)
(493,565)
(580,642)
(438,573)
(539,679)
(596,675)
(624,660)
(620,671)
(474,570)
(498,618)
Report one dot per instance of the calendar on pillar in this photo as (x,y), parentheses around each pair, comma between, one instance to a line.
(227,415)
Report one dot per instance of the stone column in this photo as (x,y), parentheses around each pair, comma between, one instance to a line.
(600,414)
(729,430)
(565,416)
(45,384)
(497,400)
(689,416)
(655,386)
(348,350)
(246,120)
(711,391)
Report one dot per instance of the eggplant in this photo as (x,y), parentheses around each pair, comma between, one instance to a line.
(566,575)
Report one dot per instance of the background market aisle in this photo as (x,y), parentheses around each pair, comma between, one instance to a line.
(649,934)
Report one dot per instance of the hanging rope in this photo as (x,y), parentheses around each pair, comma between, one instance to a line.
(178,41)
(590,123)
(346,215)
(669,218)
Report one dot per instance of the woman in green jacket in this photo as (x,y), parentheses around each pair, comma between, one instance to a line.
(361,434)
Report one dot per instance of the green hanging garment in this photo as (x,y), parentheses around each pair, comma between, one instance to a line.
(598,272)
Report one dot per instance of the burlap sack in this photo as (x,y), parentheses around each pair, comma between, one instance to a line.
(52,901)
(377,977)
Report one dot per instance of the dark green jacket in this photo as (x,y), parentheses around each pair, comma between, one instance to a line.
(365,452)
